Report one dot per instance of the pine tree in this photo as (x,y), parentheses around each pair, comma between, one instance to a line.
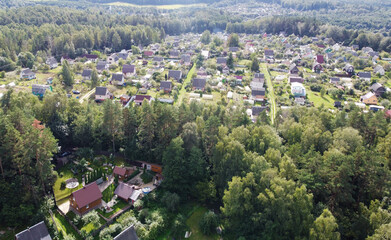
(66,74)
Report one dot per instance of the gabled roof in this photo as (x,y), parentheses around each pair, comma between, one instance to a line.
(158,59)
(101,65)
(87,195)
(221,60)
(127,234)
(334,79)
(148,53)
(51,61)
(293,66)
(127,68)
(269,52)
(185,57)
(37,232)
(233,49)
(140,98)
(368,95)
(101,91)
(259,75)
(39,89)
(86,73)
(123,54)
(258,92)
(319,59)
(117,77)
(124,191)
(376,86)
(174,53)
(175,74)
(119,170)
(27,71)
(199,83)
(166,84)
(89,56)
(364,74)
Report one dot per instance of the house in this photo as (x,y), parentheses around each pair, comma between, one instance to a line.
(369,98)
(376,108)
(124,99)
(335,80)
(299,100)
(258,94)
(122,173)
(127,192)
(128,70)
(85,199)
(127,234)
(319,59)
(174,54)
(90,57)
(317,67)
(52,63)
(378,89)
(175,74)
(185,59)
(117,78)
(37,232)
(205,54)
(221,61)
(293,79)
(269,54)
(39,90)
(225,70)
(297,89)
(259,76)
(166,86)
(102,66)
(123,54)
(68,59)
(148,54)
(349,69)
(113,59)
(199,84)
(151,167)
(140,98)
(233,49)
(293,69)
(379,70)
(366,76)
(256,110)
(86,74)
(27,74)
(102,93)
(158,59)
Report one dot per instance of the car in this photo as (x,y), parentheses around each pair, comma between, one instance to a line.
(76,92)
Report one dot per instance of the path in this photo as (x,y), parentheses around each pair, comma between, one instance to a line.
(106,184)
(271,97)
(86,96)
(64,207)
(182,92)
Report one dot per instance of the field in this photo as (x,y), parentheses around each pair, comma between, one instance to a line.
(61,194)
(173,6)
(315,97)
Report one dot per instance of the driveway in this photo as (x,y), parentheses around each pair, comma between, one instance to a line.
(64,207)
(106,184)
(86,96)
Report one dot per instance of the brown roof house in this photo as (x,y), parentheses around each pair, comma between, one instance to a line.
(140,98)
(199,84)
(122,173)
(85,199)
(128,193)
(369,98)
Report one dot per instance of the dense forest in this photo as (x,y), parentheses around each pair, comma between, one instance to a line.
(314,174)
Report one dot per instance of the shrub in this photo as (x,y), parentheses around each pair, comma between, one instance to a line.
(146,177)
(63,185)
(209,222)
(171,200)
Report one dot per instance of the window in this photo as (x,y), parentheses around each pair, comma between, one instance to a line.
(87,206)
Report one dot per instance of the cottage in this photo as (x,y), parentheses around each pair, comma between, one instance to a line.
(90,57)
(349,69)
(127,192)
(127,234)
(113,59)
(225,70)
(293,79)
(128,70)
(174,54)
(269,54)
(299,100)
(102,66)
(379,70)
(335,80)
(85,199)
(118,79)
(185,59)
(205,54)
(123,54)
(369,98)
(148,54)
(378,89)
(68,59)
(319,59)
(27,74)
(102,93)
(376,108)
(293,69)
(37,232)
(221,61)
(158,59)
(366,76)
(86,74)
(199,84)
(297,89)
(317,67)
(151,167)
(258,94)
(175,74)
(122,173)
(337,104)
(39,90)
(52,63)
(166,86)
(140,98)
(233,49)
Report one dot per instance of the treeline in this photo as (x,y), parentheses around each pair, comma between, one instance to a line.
(155,2)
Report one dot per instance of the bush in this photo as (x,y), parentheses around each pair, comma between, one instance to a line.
(146,177)
(209,222)
(63,185)
(171,200)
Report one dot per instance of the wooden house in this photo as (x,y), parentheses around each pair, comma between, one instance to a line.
(85,199)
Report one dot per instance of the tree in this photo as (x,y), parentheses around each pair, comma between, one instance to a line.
(26,59)
(325,227)
(383,232)
(230,61)
(94,78)
(233,40)
(116,40)
(66,73)
(209,222)
(322,92)
(205,37)
(112,121)
(171,200)
(179,226)
(255,65)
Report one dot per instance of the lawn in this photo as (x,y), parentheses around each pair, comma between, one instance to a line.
(90,227)
(64,226)
(108,193)
(61,194)
(270,89)
(182,92)
(116,208)
(193,223)
(315,97)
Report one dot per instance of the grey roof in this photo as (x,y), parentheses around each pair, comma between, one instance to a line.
(158,59)
(174,53)
(376,86)
(86,73)
(127,234)
(165,84)
(334,79)
(185,57)
(256,110)
(233,49)
(175,74)
(221,60)
(117,77)
(256,84)
(259,75)
(269,52)
(126,68)
(27,71)
(100,90)
(123,54)
(124,190)
(293,66)
(36,232)
(199,83)
(39,89)
(101,65)
(165,100)
(258,92)
(364,74)
(51,61)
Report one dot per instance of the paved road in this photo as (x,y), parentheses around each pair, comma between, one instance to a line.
(86,96)
(271,97)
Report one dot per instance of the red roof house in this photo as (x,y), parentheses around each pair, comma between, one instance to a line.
(85,199)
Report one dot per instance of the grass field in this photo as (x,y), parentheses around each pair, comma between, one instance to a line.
(315,97)
(61,194)
(173,6)
(193,223)
(90,227)
(271,97)
(108,193)
(182,92)
(65,227)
